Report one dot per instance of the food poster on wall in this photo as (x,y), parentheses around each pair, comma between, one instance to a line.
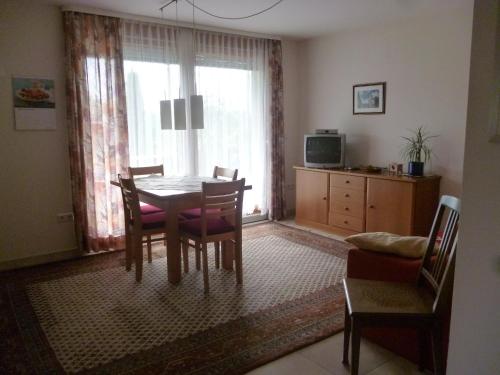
(34,103)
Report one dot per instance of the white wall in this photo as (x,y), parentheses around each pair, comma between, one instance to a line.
(475,321)
(425,62)
(34,165)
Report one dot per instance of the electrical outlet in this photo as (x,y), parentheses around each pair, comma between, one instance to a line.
(65,217)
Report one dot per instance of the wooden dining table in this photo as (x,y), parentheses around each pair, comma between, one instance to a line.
(175,194)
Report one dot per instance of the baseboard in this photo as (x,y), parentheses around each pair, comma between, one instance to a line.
(40,259)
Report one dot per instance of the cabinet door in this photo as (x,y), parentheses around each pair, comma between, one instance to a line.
(312,196)
(389,206)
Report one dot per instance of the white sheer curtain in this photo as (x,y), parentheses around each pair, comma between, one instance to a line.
(230,71)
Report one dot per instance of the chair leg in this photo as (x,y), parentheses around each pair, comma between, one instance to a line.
(150,257)
(205,267)
(185,255)
(437,349)
(138,256)
(238,260)
(347,335)
(217,254)
(356,343)
(421,349)
(128,251)
(197,254)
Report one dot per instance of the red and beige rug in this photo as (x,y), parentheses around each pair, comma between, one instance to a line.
(89,315)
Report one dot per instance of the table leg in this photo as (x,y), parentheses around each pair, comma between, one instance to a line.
(173,246)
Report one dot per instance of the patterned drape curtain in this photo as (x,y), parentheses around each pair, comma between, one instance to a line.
(278,207)
(97,126)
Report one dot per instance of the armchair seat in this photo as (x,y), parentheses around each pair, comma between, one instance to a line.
(214,226)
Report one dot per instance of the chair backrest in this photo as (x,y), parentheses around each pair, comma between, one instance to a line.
(131,206)
(438,262)
(231,174)
(222,200)
(143,171)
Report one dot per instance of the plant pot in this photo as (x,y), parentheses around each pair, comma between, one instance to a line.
(416,168)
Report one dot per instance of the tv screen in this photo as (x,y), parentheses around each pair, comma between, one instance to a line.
(324,150)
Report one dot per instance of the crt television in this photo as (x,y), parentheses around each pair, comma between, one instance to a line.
(324,150)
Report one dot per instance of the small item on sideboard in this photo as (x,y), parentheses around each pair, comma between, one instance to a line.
(396,168)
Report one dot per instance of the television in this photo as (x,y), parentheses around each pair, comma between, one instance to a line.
(324,150)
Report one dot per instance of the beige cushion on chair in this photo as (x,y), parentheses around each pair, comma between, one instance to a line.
(406,246)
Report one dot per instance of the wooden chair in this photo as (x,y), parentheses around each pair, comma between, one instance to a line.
(195,213)
(221,216)
(138,225)
(385,304)
(146,208)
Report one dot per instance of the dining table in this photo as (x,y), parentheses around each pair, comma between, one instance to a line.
(174,194)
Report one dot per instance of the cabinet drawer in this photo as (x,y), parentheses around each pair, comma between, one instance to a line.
(350,182)
(348,222)
(355,209)
(347,195)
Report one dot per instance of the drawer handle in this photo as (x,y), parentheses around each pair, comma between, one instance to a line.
(346,208)
(324,198)
(347,181)
(346,222)
(372,206)
(346,195)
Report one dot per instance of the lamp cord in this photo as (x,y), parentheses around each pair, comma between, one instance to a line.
(223,17)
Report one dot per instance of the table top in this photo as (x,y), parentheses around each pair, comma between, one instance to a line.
(171,186)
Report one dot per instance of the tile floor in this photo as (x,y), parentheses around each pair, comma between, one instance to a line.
(325,357)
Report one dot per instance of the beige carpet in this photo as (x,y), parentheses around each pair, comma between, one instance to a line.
(88,315)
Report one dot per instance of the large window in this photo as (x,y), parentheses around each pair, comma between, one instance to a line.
(234,94)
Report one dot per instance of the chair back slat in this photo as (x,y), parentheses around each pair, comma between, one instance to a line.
(227,197)
(231,174)
(143,171)
(439,254)
(130,198)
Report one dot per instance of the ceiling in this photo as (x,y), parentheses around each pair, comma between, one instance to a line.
(292,18)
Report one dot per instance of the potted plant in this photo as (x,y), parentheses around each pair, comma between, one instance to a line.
(417,151)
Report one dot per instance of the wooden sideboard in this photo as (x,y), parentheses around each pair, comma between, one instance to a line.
(351,202)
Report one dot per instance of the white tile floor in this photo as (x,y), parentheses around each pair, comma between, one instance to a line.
(325,357)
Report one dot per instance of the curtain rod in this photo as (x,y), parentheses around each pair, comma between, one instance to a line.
(133,17)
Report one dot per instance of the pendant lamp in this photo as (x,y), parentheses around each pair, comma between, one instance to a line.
(180,114)
(166,114)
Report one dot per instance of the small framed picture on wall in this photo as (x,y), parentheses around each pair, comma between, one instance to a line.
(368,98)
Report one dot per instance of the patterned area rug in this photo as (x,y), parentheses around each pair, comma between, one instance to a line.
(89,315)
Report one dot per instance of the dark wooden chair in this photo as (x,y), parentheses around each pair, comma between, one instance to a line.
(195,213)
(220,220)
(138,225)
(421,305)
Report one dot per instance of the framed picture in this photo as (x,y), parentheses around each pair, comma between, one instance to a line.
(34,103)
(368,98)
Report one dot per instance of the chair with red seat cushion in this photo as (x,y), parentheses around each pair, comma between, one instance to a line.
(195,213)
(147,209)
(221,211)
(137,226)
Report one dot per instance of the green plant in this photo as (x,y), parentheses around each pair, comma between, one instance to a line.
(417,148)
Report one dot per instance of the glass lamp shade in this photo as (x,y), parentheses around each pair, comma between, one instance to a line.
(197,112)
(166,114)
(180,114)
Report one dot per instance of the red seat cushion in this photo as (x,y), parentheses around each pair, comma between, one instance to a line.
(214,226)
(153,221)
(195,213)
(147,209)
